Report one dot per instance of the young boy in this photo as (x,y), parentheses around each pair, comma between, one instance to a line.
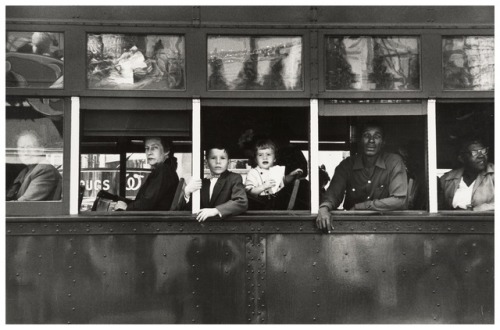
(223,193)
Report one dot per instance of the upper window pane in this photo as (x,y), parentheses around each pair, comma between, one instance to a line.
(372,63)
(34,149)
(35,60)
(468,63)
(126,61)
(254,63)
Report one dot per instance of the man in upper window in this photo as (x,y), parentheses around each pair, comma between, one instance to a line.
(472,186)
(39,180)
(371,180)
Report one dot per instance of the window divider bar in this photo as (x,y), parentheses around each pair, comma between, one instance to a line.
(196,152)
(432,156)
(314,155)
(74,184)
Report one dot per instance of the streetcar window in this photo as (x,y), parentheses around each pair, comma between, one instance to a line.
(459,124)
(254,63)
(372,63)
(112,150)
(35,60)
(340,137)
(285,130)
(468,63)
(132,61)
(34,149)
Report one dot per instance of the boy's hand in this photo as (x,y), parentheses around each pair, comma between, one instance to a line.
(192,186)
(206,213)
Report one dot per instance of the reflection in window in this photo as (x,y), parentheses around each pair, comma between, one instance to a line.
(372,63)
(254,63)
(119,61)
(35,60)
(469,63)
(34,149)
(465,128)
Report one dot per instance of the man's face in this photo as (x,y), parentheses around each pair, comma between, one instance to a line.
(29,150)
(154,151)
(372,141)
(217,160)
(265,158)
(475,163)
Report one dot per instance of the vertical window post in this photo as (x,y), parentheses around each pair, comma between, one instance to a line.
(74,185)
(432,149)
(314,155)
(197,161)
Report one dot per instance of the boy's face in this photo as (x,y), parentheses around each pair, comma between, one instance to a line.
(265,158)
(217,160)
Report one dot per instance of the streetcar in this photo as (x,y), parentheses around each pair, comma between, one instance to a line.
(93,82)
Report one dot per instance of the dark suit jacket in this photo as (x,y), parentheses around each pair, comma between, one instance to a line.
(40,182)
(157,193)
(228,197)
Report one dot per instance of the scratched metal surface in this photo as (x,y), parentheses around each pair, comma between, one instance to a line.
(249,272)
(380,278)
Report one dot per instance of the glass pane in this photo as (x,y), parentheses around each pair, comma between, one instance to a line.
(126,61)
(469,63)
(372,63)
(254,63)
(34,149)
(35,60)
(98,172)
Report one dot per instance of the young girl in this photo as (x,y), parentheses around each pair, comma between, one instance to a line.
(266,180)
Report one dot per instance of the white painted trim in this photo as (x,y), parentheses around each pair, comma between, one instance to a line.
(314,155)
(74,183)
(432,155)
(196,151)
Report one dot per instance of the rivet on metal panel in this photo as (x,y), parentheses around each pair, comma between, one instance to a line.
(487,270)
(104,256)
(17,274)
(437,251)
(103,273)
(433,291)
(57,230)
(449,229)
(437,277)
(375,228)
(111,229)
(87,230)
(135,229)
(69,294)
(352,228)
(182,229)
(193,320)
(433,264)
(73,309)
(314,291)
(472,229)
(45,226)
(397,228)
(166,254)
(248,278)
(193,266)
(314,264)
(74,281)
(438,305)
(284,271)
(300,229)
(126,273)
(39,256)
(197,306)
(465,253)
(314,319)
(466,270)
(317,278)
(39,274)
(9,231)
(194,292)
(318,305)
(367,270)
(157,229)
(70,267)
(32,230)
(419,229)
(143,272)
